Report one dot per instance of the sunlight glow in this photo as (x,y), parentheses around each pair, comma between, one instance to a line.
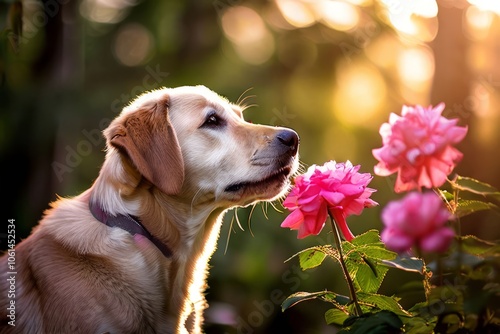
(425,8)
(360,93)
(413,18)
(478,22)
(247,31)
(338,15)
(384,50)
(360,2)
(487,5)
(106,11)
(298,13)
(416,67)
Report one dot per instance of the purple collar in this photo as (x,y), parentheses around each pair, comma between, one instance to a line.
(129,223)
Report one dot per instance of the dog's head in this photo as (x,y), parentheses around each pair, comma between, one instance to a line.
(191,143)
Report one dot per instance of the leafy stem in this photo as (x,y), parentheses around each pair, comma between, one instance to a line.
(348,278)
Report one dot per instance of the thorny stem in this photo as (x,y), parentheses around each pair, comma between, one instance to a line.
(350,284)
(452,207)
(458,228)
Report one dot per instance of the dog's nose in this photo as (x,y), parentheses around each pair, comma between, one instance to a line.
(290,139)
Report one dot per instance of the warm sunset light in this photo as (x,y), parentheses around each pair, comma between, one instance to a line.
(338,15)
(249,34)
(360,93)
(158,153)
(298,13)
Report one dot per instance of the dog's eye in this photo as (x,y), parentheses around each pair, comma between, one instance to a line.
(213,121)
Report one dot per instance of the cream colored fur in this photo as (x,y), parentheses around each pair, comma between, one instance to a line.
(166,165)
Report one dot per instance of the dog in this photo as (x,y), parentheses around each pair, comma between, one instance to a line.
(130,254)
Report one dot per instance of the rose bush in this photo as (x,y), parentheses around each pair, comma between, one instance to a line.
(461,284)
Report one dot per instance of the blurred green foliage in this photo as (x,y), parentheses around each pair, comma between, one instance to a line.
(68,67)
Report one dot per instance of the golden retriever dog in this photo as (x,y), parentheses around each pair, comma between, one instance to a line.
(130,254)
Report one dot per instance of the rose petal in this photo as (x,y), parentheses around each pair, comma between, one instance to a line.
(333,185)
(439,241)
(293,220)
(419,217)
(339,217)
(395,240)
(418,146)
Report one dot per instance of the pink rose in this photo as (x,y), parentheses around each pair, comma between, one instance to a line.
(418,145)
(419,219)
(335,188)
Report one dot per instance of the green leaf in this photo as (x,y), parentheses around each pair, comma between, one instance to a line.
(418,325)
(314,256)
(311,258)
(382,302)
(362,257)
(366,279)
(382,322)
(369,237)
(411,264)
(447,196)
(298,297)
(335,316)
(475,187)
(328,296)
(336,299)
(378,252)
(473,245)
(466,207)
(371,264)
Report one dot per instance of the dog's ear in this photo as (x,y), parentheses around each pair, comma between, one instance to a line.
(147,137)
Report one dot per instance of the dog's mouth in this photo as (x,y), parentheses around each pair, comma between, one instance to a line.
(277,177)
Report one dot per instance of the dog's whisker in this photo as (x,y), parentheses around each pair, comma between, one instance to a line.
(238,219)
(241,99)
(250,220)
(275,208)
(302,168)
(264,210)
(242,102)
(229,234)
(248,106)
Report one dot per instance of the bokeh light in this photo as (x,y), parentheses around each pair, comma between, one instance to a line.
(478,22)
(416,67)
(298,13)
(413,19)
(359,94)
(487,5)
(106,11)
(133,45)
(247,31)
(338,15)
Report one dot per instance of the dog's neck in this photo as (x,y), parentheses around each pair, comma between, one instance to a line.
(175,220)
(127,223)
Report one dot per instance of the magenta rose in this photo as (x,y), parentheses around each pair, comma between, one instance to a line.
(419,219)
(418,146)
(335,188)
